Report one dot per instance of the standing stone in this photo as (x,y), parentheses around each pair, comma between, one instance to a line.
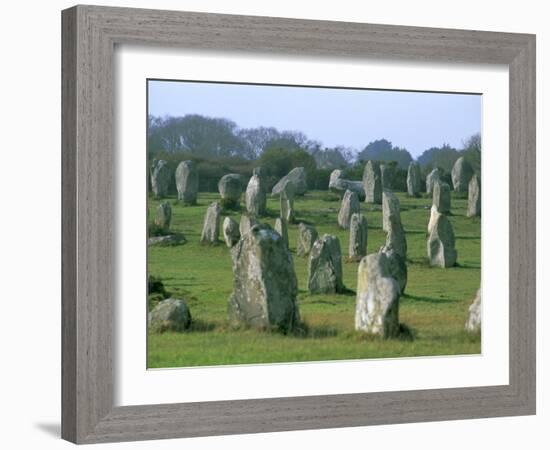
(350,205)
(433,217)
(473,324)
(413,179)
(287,201)
(372,183)
(281,227)
(297,177)
(230,188)
(171,314)
(377,302)
(163,216)
(397,266)
(307,235)
(441,197)
(160,178)
(474,197)
(387,174)
(247,222)
(339,185)
(325,266)
(397,239)
(211,227)
(391,224)
(391,210)
(187,182)
(358,234)
(461,174)
(255,196)
(431,179)
(265,285)
(441,243)
(231,233)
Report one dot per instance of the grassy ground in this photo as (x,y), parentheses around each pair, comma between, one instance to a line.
(435,305)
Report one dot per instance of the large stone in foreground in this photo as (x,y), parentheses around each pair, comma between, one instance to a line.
(377,302)
(171,314)
(307,235)
(255,196)
(441,243)
(246,223)
(397,239)
(211,227)
(397,266)
(441,198)
(231,233)
(372,182)
(413,179)
(474,197)
(160,178)
(265,285)
(187,182)
(297,177)
(358,236)
(431,179)
(473,324)
(349,206)
(230,188)
(461,174)
(340,185)
(325,266)
(163,216)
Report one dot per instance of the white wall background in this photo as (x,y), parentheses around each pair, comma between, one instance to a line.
(30,226)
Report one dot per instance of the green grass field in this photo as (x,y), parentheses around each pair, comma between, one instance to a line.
(434,307)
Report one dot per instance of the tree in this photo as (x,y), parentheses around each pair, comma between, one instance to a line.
(277,162)
(443,157)
(383,150)
(197,134)
(471,149)
(329,158)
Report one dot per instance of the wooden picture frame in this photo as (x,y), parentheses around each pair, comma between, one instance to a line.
(90,34)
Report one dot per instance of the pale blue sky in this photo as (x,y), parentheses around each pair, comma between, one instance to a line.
(348,117)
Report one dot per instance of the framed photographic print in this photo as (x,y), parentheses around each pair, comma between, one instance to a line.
(278,224)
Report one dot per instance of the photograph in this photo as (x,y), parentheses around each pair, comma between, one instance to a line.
(294,224)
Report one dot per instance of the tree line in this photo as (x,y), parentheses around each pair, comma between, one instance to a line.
(219,146)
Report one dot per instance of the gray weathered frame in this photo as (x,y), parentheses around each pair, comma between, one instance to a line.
(89,36)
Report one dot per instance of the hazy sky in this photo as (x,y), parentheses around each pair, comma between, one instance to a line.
(348,117)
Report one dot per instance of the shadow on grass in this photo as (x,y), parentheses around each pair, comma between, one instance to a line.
(199,325)
(269,214)
(416,232)
(330,198)
(347,292)
(467,266)
(317,331)
(405,333)
(322,302)
(417,298)
(304,221)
